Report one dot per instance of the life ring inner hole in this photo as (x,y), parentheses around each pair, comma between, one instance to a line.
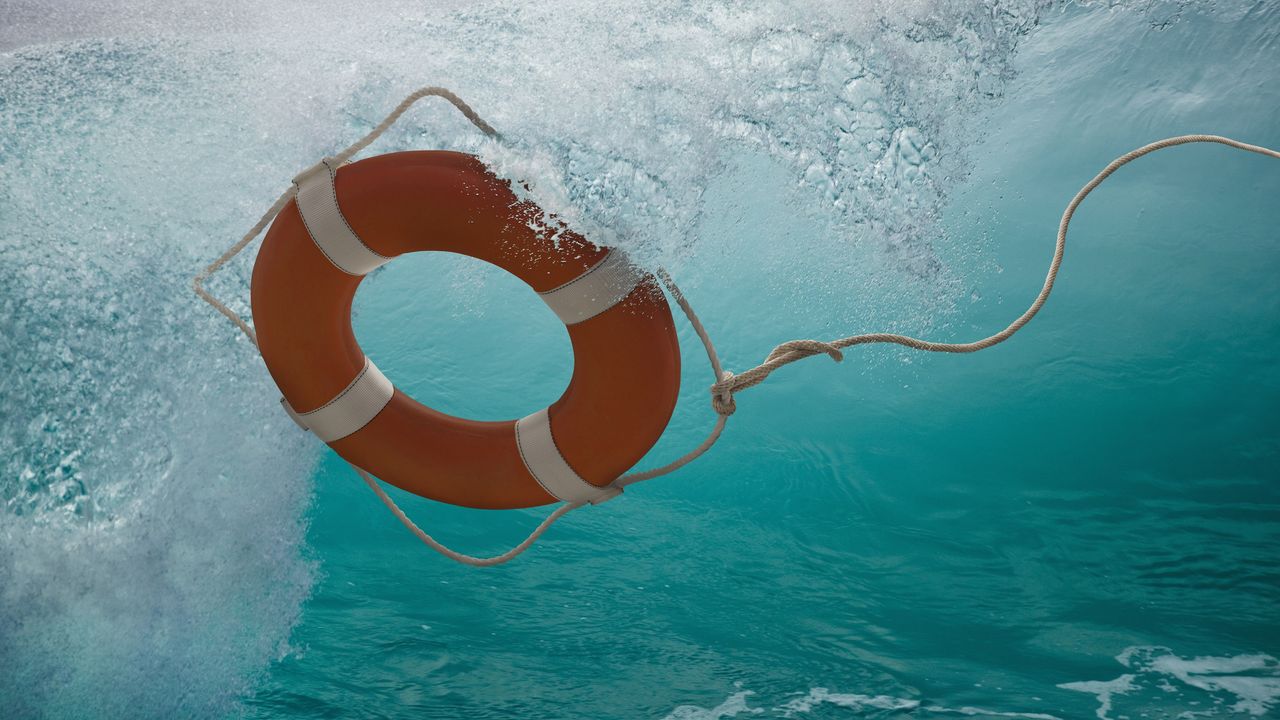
(462,336)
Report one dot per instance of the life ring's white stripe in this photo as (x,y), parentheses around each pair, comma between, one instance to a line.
(547,466)
(596,290)
(318,203)
(351,409)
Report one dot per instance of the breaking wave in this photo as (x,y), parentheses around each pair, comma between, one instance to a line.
(154,499)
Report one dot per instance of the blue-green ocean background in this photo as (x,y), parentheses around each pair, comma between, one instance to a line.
(1084,522)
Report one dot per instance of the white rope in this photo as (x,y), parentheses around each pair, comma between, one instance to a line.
(726,384)
(198,283)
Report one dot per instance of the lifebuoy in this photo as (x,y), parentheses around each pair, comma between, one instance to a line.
(346,221)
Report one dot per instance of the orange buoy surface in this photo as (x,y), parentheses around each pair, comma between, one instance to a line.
(346,220)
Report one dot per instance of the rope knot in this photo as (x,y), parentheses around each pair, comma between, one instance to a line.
(722,395)
(798,349)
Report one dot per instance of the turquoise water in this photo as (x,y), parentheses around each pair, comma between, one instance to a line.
(1082,523)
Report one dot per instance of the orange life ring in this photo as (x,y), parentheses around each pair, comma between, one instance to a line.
(345,221)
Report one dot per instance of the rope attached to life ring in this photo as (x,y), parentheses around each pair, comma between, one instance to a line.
(727,384)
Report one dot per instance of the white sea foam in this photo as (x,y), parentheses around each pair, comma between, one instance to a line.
(1246,684)
(151,502)
(1160,684)
(867,108)
(984,712)
(1104,690)
(151,498)
(853,701)
(859,704)
(734,705)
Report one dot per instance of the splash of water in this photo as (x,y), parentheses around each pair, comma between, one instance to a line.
(151,503)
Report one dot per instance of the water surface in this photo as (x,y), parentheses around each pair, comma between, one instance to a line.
(1082,523)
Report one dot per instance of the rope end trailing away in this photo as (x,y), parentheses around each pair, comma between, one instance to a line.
(723,390)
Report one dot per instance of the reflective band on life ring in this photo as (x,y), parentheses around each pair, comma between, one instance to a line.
(546,464)
(351,409)
(317,201)
(346,221)
(594,291)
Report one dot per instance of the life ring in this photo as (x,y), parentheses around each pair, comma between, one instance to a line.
(347,220)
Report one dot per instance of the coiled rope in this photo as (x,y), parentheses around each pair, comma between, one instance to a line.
(727,384)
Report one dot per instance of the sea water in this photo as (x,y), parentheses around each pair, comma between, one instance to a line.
(1084,522)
